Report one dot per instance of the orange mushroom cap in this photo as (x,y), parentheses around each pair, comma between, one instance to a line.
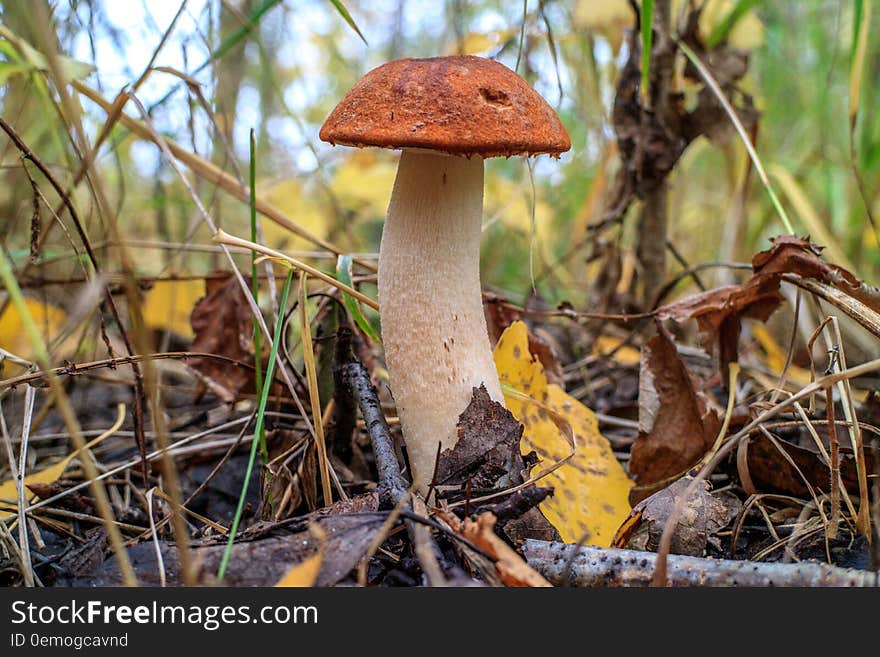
(462,105)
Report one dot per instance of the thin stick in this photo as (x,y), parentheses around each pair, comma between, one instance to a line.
(154,532)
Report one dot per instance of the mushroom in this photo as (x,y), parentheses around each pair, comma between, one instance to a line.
(447,114)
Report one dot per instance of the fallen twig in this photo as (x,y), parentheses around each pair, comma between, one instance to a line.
(611,567)
(356,379)
(392,488)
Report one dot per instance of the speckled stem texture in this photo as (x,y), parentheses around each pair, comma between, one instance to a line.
(608,567)
(433,328)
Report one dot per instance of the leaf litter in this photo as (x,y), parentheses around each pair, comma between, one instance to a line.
(523,477)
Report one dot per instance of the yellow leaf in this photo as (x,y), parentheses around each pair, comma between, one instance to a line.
(747,34)
(481,43)
(169,303)
(591,490)
(9,490)
(289,196)
(305,573)
(49,320)
(625,355)
(776,357)
(609,18)
(364,182)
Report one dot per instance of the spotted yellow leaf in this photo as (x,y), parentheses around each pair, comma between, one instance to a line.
(591,490)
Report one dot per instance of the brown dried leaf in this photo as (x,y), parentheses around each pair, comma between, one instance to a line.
(797,255)
(702,515)
(71,501)
(772,467)
(487,450)
(487,456)
(223,325)
(677,426)
(719,312)
(510,567)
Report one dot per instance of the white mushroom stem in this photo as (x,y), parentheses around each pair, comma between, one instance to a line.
(433,328)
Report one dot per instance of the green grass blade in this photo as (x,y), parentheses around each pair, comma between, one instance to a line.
(255,283)
(646,20)
(858,14)
(232,40)
(348,19)
(722,30)
(343,275)
(741,131)
(258,427)
(225,46)
(861,25)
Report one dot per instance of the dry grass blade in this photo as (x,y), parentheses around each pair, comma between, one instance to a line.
(159,560)
(740,129)
(660,572)
(565,431)
(314,398)
(165,146)
(212,174)
(68,415)
(850,306)
(222,237)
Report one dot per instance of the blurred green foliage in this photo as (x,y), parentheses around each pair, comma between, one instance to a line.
(279,67)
